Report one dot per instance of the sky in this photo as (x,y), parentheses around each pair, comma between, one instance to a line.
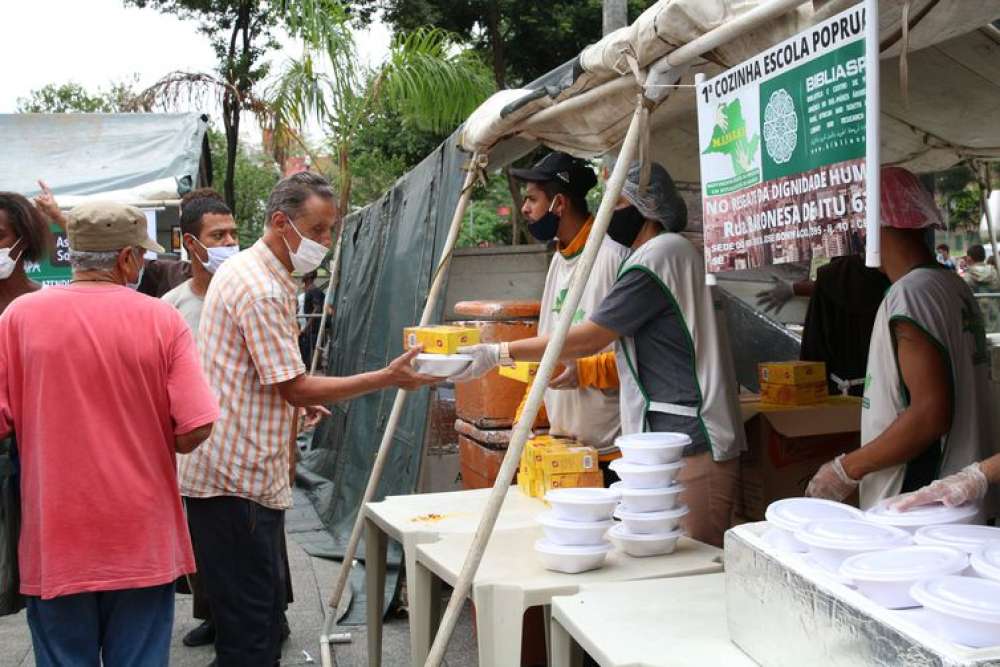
(98,42)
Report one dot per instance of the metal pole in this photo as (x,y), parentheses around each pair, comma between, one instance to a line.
(615,15)
(537,391)
(437,285)
(985,190)
(873,115)
(331,286)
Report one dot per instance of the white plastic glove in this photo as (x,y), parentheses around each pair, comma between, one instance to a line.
(774,299)
(485,357)
(967,485)
(831,482)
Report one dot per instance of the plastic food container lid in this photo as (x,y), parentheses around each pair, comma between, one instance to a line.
(653,440)
(550,519)
(920,516)
(966,537)
(578,550)
(663,490)
(793,513)
(986,561)
(851,534)
(583,496)
(966,597)
(675,513)
(904,563)
(621,465)
(624,533)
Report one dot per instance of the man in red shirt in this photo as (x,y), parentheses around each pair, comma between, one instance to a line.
(103,387)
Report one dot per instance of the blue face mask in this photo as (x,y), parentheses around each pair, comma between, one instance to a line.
(544,229)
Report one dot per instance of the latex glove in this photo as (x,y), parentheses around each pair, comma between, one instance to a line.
(485,357)
(568,379)
(967,485)
(774,299)
(831,482)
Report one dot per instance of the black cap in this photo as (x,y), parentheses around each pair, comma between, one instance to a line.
(575,174)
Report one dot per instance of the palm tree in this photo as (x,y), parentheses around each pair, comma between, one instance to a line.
(425,77)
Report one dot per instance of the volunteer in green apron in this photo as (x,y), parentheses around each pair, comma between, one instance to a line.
(674,367)
(926,406)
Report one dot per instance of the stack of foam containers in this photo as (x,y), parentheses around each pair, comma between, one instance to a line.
(650,511)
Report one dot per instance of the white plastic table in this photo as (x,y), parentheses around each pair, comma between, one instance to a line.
(422,518)
(511,579)
(678,621)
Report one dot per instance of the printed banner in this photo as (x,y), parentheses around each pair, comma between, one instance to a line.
(782,140)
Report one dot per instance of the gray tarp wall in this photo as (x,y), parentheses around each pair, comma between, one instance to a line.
(390,250)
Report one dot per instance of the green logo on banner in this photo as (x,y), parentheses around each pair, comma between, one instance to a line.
(730,137)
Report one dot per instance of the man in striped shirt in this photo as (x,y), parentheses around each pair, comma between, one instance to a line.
(237,484)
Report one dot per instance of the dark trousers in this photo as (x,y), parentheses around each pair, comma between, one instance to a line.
(117,628)
(239,548)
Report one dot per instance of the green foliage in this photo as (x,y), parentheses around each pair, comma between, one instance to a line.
(71,97)
(483,224)
(255,176)
(959,193)
(521,39)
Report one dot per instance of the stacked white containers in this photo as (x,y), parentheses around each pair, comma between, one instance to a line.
(576,529)
(650,511)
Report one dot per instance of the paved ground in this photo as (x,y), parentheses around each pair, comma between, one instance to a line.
(312,580)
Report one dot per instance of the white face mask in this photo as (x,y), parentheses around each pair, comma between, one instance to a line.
(216,256)
(6,263)
(309,255)
(138,278)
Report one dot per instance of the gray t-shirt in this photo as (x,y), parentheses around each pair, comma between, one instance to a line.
(637,307)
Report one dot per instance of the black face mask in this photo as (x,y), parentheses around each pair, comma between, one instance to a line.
(625,225)
(544,229)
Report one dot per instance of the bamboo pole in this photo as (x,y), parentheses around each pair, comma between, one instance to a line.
(437,285)
(537,392)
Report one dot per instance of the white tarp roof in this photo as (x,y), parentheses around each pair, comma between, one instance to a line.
(129,156)
(953,92)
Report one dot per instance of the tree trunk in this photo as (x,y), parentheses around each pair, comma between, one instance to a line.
(496,44)
(615,15)
(231,121)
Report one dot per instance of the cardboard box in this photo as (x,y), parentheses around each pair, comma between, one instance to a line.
(794,394)
(440,339)
(568,460)
(787,445)
(522,371)
(791,372)
(573,480)
(478,464)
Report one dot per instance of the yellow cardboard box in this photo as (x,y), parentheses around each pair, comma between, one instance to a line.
(569,460)
(573,480)
(440,339)
(522,371)
(788,394)
(792,372)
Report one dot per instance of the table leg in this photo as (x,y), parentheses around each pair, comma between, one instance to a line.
(499,619)
(376,543)
(424,589)
(565,652)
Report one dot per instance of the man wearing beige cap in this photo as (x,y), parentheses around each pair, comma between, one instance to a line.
(104,388)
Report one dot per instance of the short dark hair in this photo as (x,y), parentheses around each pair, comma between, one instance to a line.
(29,225)
(195,206)
(944,246)
(576,200)
(309,277)
(292,192)
(977,253)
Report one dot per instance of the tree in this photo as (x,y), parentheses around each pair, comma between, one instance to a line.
(241,33)
(255,175)
(71,97)
(426,80)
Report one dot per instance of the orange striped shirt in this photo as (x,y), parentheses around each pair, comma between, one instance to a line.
(248,340)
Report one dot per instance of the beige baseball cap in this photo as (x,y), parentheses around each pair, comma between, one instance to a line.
(104,226)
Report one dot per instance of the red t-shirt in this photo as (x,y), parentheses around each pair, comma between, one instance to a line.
(95,381)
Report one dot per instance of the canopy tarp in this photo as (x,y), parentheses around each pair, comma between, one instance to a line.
(129,156)
(952,52)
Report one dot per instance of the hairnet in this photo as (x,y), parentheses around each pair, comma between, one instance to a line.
(660,200)
(906,204)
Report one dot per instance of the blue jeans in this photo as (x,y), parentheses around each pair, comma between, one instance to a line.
(119,628)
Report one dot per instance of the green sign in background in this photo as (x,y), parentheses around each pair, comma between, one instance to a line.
(53,270)
(830,119)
